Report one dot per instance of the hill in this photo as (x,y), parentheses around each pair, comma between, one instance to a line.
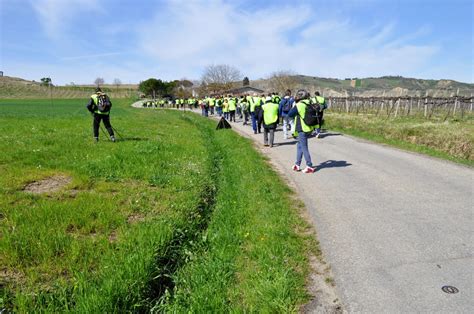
(13,87)
(386,85)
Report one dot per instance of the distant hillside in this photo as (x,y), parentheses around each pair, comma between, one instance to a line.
(386,85)
(13,87)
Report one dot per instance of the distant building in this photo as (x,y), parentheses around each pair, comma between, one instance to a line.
(1,73)
(244,90)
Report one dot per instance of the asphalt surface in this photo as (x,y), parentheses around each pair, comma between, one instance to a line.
(396,227)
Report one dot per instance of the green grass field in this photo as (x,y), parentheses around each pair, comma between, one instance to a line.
(174,217)
(452,139)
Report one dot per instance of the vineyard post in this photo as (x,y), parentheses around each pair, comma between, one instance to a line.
(347,105)
(471,104)
(455,103)
(426,104)
(398,105)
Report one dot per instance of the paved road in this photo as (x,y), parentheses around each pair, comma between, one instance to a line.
(395,226)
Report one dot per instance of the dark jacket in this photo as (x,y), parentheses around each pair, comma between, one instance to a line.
(92,106)
(293,113)
(282,103)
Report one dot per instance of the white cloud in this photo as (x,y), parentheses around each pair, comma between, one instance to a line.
(55,15)
(185,36)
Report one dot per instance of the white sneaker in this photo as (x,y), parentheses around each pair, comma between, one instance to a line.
(296,168)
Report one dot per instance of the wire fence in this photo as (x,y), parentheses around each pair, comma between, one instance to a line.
(426,107)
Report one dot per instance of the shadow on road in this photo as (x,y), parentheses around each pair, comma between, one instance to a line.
(323,135)
(286,143)
(333,164)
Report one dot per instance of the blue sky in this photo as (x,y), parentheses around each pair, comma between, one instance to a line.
(80,40)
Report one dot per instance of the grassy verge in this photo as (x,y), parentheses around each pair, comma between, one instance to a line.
(451,140)
(175,217)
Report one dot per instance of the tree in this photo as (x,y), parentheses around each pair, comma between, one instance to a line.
(117,83)
(46,81)
(99,81)
(280,81)
(220,77)
(155,87)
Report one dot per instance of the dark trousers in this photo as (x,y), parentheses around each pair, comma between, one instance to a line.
(246,117)
(232,115)
(259,116)
(106,119)
(320,119)
(265,136)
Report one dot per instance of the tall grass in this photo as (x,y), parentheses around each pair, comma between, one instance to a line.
(176,216)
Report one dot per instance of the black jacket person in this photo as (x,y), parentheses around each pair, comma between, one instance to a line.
(99,105)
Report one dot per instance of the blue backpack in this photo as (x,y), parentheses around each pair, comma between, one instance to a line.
(287,105)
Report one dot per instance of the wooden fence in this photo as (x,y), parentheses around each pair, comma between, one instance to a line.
(427,107)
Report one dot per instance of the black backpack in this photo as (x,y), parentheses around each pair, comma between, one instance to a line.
(311,114)
(103,103)
(287,105)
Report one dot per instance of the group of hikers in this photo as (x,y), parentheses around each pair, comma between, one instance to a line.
(301,115)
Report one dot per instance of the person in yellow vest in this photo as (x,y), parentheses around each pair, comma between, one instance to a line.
(99,106)
(212,102)
(270,120)
(244,107)
(219,105)
(232,107)
(321,101)
(225,108)
(302,130)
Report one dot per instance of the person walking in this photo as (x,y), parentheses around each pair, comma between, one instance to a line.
(99,106)
(321,101)
(232,107)
(285,106)
(255,103)
(302,130)
(219,106)
(244,107)
(212,102)
(225,108)
(270,120)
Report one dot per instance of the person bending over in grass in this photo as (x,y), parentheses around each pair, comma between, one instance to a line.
(99,106)
(302,130)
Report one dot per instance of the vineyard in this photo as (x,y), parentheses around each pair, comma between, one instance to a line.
(424,107)
(14,88)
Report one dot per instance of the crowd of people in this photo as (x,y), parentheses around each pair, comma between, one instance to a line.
(264,112)
(301,116)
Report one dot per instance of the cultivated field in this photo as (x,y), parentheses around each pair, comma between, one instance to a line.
(16,88)
(175,216)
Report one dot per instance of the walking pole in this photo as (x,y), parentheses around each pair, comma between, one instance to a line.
(103,131)
(115,130)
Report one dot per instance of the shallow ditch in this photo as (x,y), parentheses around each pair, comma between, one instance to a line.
(185,241)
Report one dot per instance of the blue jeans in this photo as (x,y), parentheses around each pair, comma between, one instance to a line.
(302,150)
(254,121)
